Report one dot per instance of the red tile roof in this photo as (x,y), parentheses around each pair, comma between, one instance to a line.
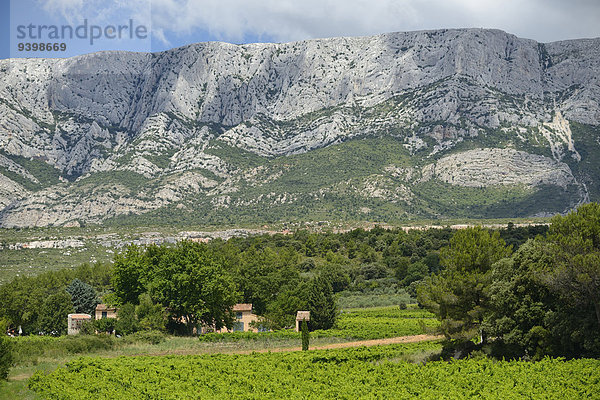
(101,307)
(243,307)
(80,316)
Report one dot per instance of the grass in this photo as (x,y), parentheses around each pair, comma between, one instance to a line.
(492,202)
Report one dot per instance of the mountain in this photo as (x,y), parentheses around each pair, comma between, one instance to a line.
(430,124)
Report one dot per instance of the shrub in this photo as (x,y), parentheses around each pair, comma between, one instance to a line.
(105,325)
(27,349)
(127,322)
(151,316)
(88,343)
(150,337)
(87,328)
(6,357)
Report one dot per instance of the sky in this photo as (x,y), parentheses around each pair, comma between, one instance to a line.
(157,25)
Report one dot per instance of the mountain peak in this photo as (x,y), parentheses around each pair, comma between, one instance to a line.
(210,116)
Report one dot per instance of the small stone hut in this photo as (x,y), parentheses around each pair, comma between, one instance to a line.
(75,321)
(301,316)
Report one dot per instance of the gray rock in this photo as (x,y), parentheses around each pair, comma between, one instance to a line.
(160,115)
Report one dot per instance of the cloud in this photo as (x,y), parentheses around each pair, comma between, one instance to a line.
(285,20)
(288,20)
(99,11)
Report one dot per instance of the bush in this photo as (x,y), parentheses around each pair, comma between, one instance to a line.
(27,349)
(88,343)
(151,316)
(127,322)
(105,325)
(458,349)
(6,357)
(87,328)
(150,337)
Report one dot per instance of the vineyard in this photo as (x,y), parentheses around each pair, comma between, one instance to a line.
(374,372)
(384,322)
(357,324)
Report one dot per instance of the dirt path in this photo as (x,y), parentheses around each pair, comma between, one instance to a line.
(374,342)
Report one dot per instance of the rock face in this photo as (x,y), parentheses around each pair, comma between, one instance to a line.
(490,167)
(75,133)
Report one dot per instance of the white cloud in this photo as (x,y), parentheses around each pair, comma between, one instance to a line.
(100,11)
(286,20)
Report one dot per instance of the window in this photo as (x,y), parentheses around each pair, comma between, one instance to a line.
(238,315)
(238,326)
(104,314)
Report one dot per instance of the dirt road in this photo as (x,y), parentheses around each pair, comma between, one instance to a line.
(374,342)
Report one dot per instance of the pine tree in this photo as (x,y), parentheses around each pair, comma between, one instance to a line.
(83,296)
(321,304)
(305,335)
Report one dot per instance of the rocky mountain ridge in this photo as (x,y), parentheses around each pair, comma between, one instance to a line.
(215,131)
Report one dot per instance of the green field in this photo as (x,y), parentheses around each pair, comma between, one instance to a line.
(384,322)
(355,324)
(44,354)
(375,372)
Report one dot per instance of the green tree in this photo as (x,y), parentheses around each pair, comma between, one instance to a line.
(54,312)
(574,276)
(399,264)
(321,304)
(127,322)
(337,275)
(458,295)
(98,275)
(281,312)
(105,325)
(520,303)
(83,297)
(21,299)
(305,335)
(14,301)
(191,283)
(130,273)
(415,272)
(151,316)
(575,240)
(263,273)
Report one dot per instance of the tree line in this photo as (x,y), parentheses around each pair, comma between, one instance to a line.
(174,288)
(541,300)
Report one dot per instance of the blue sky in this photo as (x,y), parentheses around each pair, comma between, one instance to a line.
(173,23)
